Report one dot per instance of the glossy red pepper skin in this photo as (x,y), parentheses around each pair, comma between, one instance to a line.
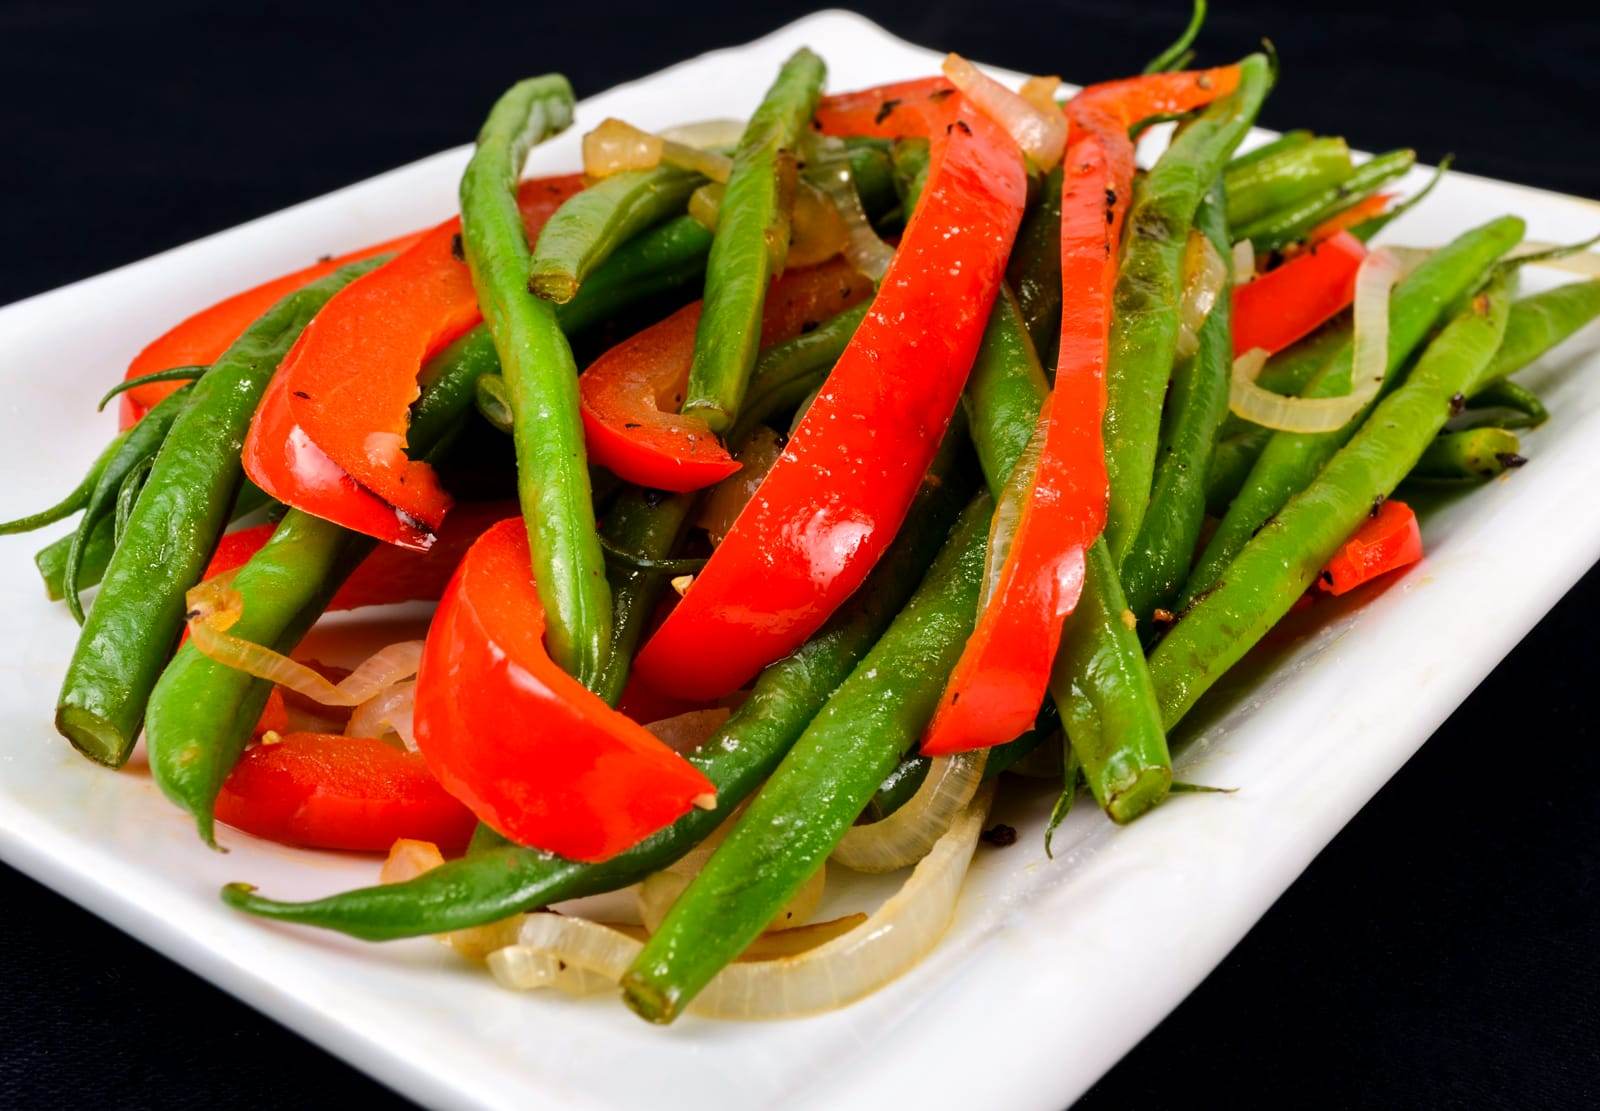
(995,689)
(358,794)
(357,365)
(631,394)
(1292,301)
(886,111)
(199,339)
(837,494)
(523,744)
(389,574)
(1387,542)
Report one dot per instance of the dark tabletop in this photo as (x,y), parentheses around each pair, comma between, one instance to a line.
(1442,951)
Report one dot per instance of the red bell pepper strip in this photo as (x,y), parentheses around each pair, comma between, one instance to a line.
(994,692)
(1364,209)
(201,338)
(631,394)
(521,742)
(1293,300)
(885,111)
(323,791)
(1387,542)
(390,574)
(328,434)
(835,497)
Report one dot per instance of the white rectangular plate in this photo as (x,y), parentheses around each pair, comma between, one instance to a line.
(1308,731)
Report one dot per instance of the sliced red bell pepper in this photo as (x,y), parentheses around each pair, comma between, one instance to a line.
(523,744)
(201,338)
(1364,209)
(1293,300)
(390,574)
(631,394)
(323,791)
(1387,542)
(994,692)
(885,111)
(335,452)
(836,496)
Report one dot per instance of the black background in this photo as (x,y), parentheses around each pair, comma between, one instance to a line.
(1442,951)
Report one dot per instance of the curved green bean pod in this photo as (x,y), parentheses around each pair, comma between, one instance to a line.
(74,501)
(1370,227)
(1158,562)
(827,779)
(1144,332)
(1279,180)
(1473,455)
(1034,270)
(1540,322)
(1277,566)
(170,536)
(201,712)
(1288,225)
(503,880)
(583,232)
(1290,460)
(1173,57)
(751,242)
(1503,393)
(541,380)
(1287,141)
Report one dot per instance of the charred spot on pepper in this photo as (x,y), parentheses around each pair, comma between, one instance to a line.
(940,94)
(885,110)
(632,424)
(302,395)
(457,249)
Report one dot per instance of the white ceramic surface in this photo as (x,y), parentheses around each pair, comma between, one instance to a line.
(1046,978)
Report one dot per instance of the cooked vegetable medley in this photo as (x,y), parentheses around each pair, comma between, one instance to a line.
(785,487)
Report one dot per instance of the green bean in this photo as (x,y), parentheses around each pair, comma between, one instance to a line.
(1100,672)
(1277,566)
(1287,141)
(787,372)
(1371,226)
(1035,269)
(1273,183)
(589,225)
(201,711)
(1144,331)
(897,788)
(910,159)
(822,785)
(1239,442)
(1173,57)
(1506,394)
(1277,230)
(127,494)
(51,560)
(662,260)
(505,879)
(136,448)
(74,501)
(541,380)
(1472,455)
(1540,322)
(1290,460)
(873,175)
(648,523)
(751,242)
(1155,568)
(135,621)
(1107,698)
(173,374)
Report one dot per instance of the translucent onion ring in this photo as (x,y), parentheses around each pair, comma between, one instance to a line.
(1042,135)
(885,946)
(907,835)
